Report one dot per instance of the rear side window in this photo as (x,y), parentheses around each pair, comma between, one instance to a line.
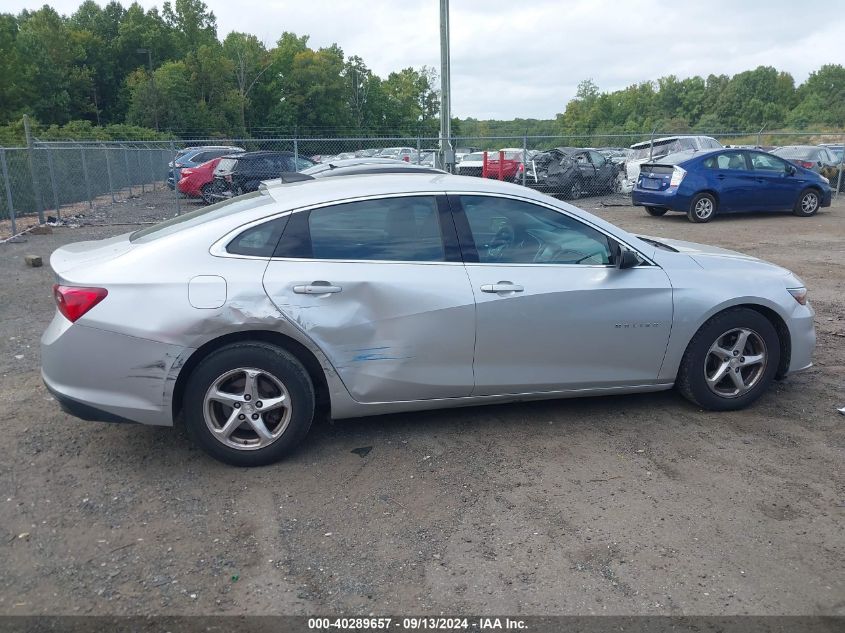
(725,161)
(392,229)
(202,215)
(259,240)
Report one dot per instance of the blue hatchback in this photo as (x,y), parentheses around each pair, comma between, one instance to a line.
(702,184)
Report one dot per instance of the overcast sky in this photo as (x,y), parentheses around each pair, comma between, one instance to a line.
(524,58)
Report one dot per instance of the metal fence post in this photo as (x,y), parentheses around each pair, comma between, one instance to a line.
(87,179)
(8,189)
(524,156)
(296,149)
(39,203)
(128,173)
(152,168)
(419,146)
(140,171)
(175,180)
(841,163)
(53,182)
(108,172)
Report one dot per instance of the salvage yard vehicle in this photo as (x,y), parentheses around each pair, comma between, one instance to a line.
(813,157)
(195,156)
(648,151)
(198,182)
(236,175)
(365,295)
(571,172)
(703,184)
(471,165)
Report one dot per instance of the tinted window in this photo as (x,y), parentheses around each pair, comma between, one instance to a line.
(509,231)
(767,162)
(725,161)
(259,240)
(396,229)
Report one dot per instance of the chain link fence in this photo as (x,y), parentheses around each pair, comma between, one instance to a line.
(45,180)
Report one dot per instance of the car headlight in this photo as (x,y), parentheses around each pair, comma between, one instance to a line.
(799,294)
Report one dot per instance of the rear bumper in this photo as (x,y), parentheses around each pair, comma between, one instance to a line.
(668,199)
(802,333)
(827,197)
(101,375)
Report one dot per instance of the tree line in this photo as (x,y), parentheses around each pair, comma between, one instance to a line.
(126,72)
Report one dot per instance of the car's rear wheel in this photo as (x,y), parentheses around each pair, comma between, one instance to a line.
(731,360)
(656,211)
(248,404)
(576,190)
(808,203)
(702,208)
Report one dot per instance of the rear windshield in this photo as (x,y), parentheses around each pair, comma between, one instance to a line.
(664,147)
(226,164)
(796,152)
(201,215)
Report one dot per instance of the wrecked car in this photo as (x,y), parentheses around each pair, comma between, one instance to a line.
(363,295)
(572,172)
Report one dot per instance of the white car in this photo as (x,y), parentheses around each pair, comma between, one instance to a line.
(660,147)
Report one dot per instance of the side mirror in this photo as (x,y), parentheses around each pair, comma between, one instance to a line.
(790,169)
(626,258)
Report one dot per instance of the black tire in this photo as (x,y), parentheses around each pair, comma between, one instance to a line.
(656,211)
(692,374)
(206,191)
(808,203)
(576,190)
(702,208)
(272,362)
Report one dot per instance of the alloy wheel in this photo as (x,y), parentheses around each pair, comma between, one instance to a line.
(735,363)
(247,408)
(809,203)
(703,208)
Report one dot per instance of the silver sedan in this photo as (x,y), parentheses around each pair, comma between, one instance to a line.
(363,295)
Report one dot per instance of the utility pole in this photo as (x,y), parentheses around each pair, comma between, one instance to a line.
(149,53)
(447,155)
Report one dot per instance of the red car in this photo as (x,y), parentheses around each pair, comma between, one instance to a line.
(197,182)
(506,169)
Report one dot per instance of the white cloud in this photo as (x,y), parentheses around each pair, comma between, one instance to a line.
(524,59)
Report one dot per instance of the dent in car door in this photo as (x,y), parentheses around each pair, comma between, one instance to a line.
(393,330)
(554,326)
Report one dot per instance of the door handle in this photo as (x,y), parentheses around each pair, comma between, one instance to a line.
(317,288)
(502,286)
(721,176)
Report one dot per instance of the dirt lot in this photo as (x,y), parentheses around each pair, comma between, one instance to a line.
(624,505)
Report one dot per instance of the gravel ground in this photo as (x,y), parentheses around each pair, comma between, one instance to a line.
(617,505)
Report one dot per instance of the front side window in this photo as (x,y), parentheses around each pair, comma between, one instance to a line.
(598,159)
(767,162)
(392,229)
(507,231)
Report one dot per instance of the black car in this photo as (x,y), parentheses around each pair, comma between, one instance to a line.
(236,175)
(571,172)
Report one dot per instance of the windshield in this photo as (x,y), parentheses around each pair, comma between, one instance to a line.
(226,164)
(201,215)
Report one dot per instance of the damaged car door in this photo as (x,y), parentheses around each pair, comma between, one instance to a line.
(379,286)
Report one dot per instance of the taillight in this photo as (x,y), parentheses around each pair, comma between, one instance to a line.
(678,174)
(74,301)
(806,164)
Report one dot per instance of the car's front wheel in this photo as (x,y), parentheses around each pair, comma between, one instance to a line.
(248,404)
(702,208)
(808,203)
(656,211)
(731,360)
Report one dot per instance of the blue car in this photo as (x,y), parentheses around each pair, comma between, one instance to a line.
(704,183)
